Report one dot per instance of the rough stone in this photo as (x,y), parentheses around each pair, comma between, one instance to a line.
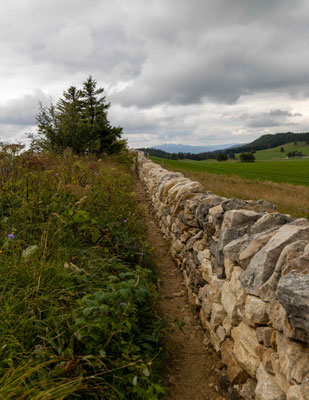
(247,390)
(267,388)
(290,252)
(294,393)
(255,311)
(205,204)
(304,387)
(217,315)
(247,350)
(300,264)
(263,263)
(236,287)
(228,300)
(263,334)
(293,357)
(293,295)
(235,374)
(206,270)
(214,289)
(270,221)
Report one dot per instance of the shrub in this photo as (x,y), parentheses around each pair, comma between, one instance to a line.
(247,157)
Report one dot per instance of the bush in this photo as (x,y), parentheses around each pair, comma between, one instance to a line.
(222,157)
(247,157)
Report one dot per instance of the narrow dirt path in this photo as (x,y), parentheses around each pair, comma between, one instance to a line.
(192,367)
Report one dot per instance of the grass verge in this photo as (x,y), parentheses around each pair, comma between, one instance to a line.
(76,284)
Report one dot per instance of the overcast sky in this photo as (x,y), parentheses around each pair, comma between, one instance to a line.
(187,71)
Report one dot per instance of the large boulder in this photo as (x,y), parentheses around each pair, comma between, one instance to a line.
(262,265)
(293,295)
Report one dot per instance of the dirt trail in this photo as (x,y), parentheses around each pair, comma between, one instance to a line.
(192,367)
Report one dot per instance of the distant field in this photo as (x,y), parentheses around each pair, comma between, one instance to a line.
(284,182)
(275,153)
(294,171)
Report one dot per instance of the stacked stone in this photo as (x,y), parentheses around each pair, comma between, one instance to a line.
(246,268)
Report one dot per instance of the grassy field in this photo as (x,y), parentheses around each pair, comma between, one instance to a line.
(295,172)
(276,154)
(76,319)
(285,183)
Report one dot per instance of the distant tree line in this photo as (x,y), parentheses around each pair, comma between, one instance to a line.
(262,143)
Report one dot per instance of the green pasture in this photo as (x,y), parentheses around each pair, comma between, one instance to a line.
(275,153)
(293,171)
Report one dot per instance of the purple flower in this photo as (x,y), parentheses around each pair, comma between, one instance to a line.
(125,221)
(11,236)
(122,304)
(105,312)
(141,254)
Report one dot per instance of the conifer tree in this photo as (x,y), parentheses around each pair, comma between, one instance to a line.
(79,121)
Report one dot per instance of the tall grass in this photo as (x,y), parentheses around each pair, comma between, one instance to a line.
(76,288)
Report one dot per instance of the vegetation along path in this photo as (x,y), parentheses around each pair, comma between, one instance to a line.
(192,370)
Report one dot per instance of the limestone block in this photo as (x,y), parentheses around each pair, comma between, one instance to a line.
(247,390)
(247,350)
(229,302)
(239,218)
(227,325)
(217,315)
(289,253)
(267,388)
(293,295)
(235,373)
(220,331)
(190,207)
(267,360)
(205,204)
(277,315)
(211,334)
(206,307)
(232,249)
(263,263)
(254,245)
(300,264)
(263,334)
(293,357)
(281,380)
(214,289)
(199,246)
(202,293)
(236,287)
(255,310)
(203,254)
(259,206)
(228,267)
(294,393)
(304,387)
(269,221)
(206,270)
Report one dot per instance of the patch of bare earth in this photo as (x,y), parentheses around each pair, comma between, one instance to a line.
(192,368)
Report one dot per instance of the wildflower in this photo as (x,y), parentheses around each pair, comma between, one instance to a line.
(1,251)
(105,312)
(11,236)
(141,254)
(125,221)
(122,304)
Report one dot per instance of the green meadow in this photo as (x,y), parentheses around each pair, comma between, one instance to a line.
(293,171)
(276,153)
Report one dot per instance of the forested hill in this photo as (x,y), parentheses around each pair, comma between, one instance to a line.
(262,143)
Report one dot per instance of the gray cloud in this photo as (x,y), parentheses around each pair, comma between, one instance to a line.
(196,71)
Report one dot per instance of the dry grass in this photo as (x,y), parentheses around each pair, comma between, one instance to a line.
(290,199)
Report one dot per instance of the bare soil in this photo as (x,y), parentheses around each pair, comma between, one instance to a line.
(192,369)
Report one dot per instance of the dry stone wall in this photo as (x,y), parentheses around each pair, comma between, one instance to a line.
(246,268)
